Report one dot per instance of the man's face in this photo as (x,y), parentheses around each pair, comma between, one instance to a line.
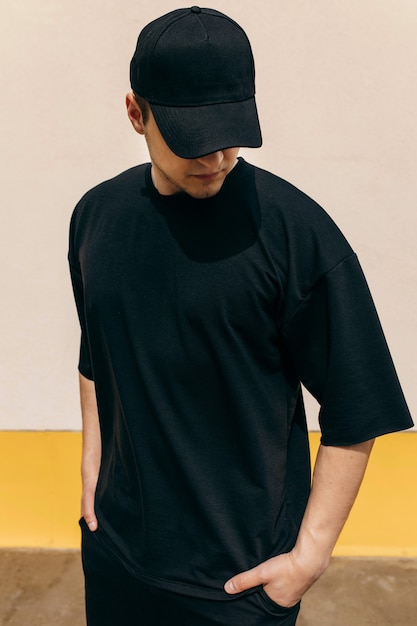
(199,178)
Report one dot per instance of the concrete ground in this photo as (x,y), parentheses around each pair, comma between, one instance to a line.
(45,588)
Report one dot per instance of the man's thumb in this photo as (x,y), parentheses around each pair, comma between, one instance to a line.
(243,581)
(91,521)
(92,524)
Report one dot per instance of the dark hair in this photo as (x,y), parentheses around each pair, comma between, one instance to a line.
(144,107)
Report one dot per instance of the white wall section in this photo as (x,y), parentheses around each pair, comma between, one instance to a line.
(337,98)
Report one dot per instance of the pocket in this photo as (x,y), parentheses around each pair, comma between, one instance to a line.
(96,557)
(273,608)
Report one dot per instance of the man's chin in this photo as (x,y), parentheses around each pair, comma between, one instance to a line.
(204,191)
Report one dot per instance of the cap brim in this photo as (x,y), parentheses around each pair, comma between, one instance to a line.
(192,132)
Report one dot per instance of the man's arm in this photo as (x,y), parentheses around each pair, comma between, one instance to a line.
(338,474)
(91,450)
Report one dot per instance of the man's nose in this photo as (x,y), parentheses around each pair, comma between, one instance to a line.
(213,160)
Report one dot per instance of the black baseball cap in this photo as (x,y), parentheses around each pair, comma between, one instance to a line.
(195,68)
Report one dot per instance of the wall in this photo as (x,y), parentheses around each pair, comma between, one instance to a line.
(40,493)
(336,95)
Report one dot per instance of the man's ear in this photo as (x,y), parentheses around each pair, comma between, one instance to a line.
(134,114)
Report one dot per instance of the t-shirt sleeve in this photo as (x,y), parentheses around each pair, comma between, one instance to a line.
(336,344)
(84,364)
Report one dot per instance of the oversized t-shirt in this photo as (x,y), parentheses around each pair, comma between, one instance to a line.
(200,320)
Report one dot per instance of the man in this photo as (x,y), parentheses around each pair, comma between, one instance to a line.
(207,291)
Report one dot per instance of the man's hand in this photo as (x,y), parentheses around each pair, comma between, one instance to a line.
(283,578)
(87,504)
(338,473)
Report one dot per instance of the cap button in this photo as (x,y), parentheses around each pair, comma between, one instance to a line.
(195,10)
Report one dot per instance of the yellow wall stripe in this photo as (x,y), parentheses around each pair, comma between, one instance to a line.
(40,492)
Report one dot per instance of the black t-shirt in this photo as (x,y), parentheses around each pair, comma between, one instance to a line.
(200,319)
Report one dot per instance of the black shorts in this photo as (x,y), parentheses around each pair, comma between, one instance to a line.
(116,598)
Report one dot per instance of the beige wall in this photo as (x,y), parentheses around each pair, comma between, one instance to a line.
(337,96)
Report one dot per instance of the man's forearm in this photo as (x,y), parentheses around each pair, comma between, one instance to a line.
(337,477)
(91,449)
